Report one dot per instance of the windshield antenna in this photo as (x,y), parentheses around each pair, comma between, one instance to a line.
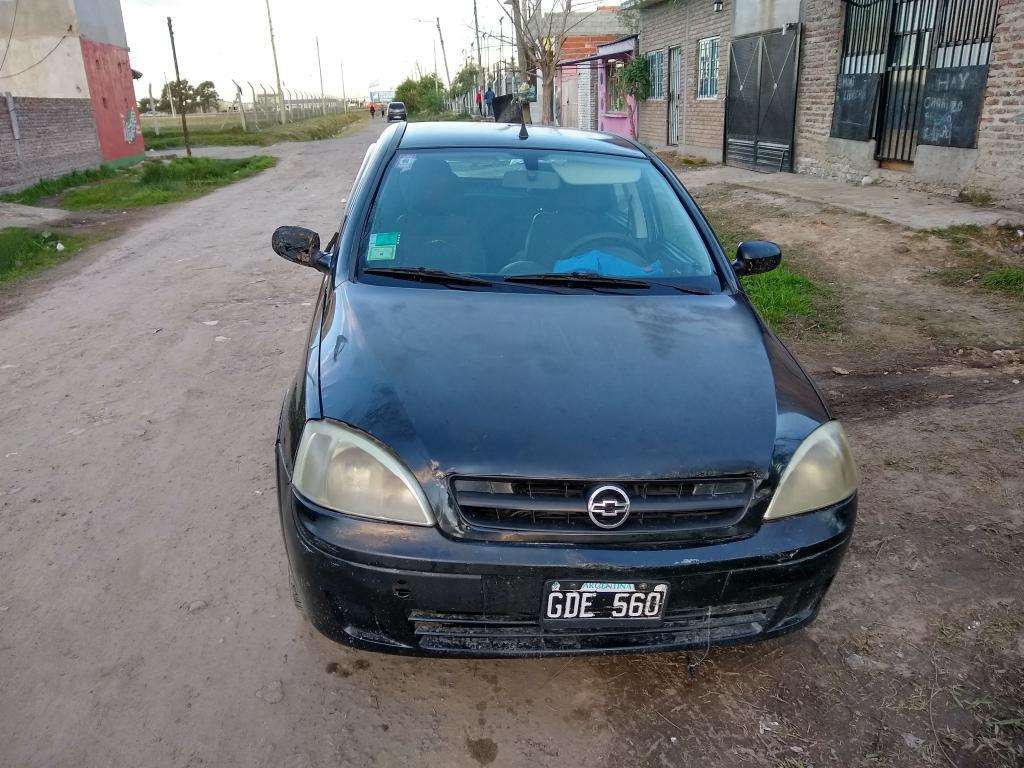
(522,121)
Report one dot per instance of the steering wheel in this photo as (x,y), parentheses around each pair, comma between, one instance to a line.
(615,239)
(522,267)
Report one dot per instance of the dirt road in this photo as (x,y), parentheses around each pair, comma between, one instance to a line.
(145,618)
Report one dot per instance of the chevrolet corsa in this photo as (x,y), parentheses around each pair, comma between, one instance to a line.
(538,415)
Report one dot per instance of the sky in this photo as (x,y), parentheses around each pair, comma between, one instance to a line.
(379,41)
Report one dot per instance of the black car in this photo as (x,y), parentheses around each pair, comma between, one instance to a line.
(537,413)
(396,111)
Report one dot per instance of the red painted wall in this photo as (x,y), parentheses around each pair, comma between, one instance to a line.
(113,100)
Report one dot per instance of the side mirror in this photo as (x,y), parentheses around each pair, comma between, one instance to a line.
(756,256)
(301,246)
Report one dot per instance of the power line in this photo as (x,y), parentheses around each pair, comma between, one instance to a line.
(10,36)
(31,66)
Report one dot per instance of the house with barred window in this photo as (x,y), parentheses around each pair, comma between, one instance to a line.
(921,93)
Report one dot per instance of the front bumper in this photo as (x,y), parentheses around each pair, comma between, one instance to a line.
(413,590)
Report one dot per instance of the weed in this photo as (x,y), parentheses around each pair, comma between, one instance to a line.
(24,251)
(975,196)
(1006,280)
(439,117)
(979,250)
(682,162)
(323,127)
(50,187)
(784,294)
(158,182)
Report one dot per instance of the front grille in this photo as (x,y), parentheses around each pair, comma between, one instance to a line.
(512,635)
(559,507)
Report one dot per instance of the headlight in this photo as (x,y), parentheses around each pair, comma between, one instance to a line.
(820,473)
(342,470)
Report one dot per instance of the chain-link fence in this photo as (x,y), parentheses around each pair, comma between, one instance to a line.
(256,106)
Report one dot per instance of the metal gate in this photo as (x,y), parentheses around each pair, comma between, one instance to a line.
(906,70)
(760,108)
(675,91)
(913,72)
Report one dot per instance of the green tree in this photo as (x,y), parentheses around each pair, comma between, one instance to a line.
(423,95)
(406,93)
(206,96)
(465,80)
(182,92)
(636,82)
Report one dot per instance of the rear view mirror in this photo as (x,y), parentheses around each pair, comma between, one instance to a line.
(302,246)
(756,256)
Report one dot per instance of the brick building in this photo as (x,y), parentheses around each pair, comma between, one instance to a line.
(575,88)
(921,93)
(66,95)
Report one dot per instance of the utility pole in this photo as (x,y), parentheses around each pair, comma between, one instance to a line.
(170,99)
(170,93)
(479,55)
(323,103)
(277,72)
(444,55)
(344,98)
(520,46)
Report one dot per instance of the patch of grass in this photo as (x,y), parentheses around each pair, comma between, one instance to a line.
(24,251)
(50,187)
(974,196)
(781,295)
(784,294)
(439,117)
(1006,280)
(311,129)
(978,249)
(157,182)
(682,162)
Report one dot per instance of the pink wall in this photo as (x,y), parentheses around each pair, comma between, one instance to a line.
(113,100)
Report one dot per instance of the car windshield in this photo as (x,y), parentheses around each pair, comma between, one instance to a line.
(396,105)
(502,213)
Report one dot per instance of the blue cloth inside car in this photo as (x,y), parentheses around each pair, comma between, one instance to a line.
(606,264)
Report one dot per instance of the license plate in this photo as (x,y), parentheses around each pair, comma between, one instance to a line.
(604,603)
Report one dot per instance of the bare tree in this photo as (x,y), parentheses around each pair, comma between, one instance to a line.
(540,35)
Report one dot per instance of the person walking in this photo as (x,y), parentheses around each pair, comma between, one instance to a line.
(479,102)
(489,98)
(373,110)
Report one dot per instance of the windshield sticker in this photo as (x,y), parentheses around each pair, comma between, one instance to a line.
(405,162)
(383,246)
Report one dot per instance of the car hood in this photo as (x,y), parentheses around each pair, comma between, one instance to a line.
(538,384)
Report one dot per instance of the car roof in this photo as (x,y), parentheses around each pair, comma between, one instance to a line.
(506,136)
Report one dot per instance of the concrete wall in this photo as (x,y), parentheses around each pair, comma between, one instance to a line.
(101,21)
(702,122)
(760,15)
(42,32)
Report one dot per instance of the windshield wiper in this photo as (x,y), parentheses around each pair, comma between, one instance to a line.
(682,289)
(426,275)
(582,279)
